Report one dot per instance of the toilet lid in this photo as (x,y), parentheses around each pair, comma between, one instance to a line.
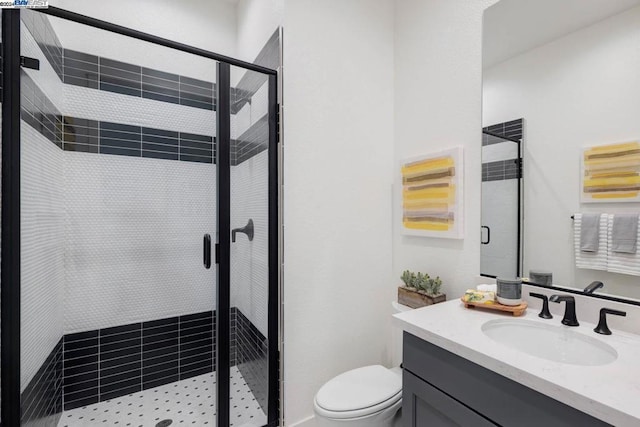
(358,389)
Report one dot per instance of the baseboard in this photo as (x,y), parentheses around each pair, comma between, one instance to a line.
(307,422)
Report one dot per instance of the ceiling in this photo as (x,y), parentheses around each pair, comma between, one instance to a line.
(512,27)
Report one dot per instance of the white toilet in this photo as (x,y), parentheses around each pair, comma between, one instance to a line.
(364,397)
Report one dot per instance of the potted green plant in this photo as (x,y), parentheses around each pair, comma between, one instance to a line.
(420,290)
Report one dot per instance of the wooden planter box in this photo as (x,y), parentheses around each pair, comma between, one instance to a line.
(415,299)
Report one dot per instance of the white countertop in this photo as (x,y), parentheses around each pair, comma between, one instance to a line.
(609,392)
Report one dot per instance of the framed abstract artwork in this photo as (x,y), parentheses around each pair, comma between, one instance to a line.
(610,173)
(432,194)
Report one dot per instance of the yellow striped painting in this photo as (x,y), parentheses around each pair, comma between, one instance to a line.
(430,187)
(611,173)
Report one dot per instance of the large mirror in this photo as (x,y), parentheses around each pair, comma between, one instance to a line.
(560,77)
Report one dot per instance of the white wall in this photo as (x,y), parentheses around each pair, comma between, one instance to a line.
(587,95)
(338,63)
(257,21)
(438,46)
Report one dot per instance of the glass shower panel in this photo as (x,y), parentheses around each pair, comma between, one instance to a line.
(500,207)
(249,255)
(119,188)
(0,167)
(42,212)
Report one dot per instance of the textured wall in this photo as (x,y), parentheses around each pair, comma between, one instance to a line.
(249,268)
(134,226)
(250,200)
(113,107)
(42,251)
(42,216)
(133,249)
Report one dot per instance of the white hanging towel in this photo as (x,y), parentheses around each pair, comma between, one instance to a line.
(591,260)
(618,262)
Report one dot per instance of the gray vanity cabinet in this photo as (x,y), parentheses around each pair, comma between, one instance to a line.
(426,402)
(443,389)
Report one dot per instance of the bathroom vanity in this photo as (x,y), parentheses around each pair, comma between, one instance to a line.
(437,384)
(454,374)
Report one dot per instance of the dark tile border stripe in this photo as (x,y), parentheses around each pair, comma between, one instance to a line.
(82,69)
(38,111)
(512,129)
(120,139)
(92,136)
(107,363)
(40,28)
(41,400)
(500,170)
(251,81)
(252,357)
(86,70)
(252,142)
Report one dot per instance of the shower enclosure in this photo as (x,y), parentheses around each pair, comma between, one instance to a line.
(501,230)
(139,228)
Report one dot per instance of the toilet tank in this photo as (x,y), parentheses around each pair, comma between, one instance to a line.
(396,335)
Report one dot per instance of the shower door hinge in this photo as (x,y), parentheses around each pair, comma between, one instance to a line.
(31,63)
(519,161)
(217,253)
(278,124)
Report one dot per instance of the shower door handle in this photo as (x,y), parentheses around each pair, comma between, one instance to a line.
(488,236)
(207,251)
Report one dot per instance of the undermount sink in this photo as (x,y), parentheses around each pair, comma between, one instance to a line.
(551,342)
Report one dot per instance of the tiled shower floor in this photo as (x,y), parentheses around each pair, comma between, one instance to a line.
(189,402)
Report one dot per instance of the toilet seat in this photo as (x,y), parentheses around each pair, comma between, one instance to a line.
(358,413)
(359,393)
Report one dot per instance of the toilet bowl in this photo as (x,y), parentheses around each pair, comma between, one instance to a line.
(365,397)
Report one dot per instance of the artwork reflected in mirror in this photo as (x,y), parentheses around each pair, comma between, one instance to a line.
(571,70)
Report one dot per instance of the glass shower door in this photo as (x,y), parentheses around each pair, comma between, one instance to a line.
(252,355)
(501,189)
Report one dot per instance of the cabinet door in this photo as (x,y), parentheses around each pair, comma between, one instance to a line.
(425,405)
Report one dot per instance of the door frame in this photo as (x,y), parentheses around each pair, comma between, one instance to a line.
(10,263)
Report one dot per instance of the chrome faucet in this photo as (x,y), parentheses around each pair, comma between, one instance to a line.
(593,286)
(570,318)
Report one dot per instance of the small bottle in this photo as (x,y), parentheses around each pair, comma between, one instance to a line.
(509,291)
